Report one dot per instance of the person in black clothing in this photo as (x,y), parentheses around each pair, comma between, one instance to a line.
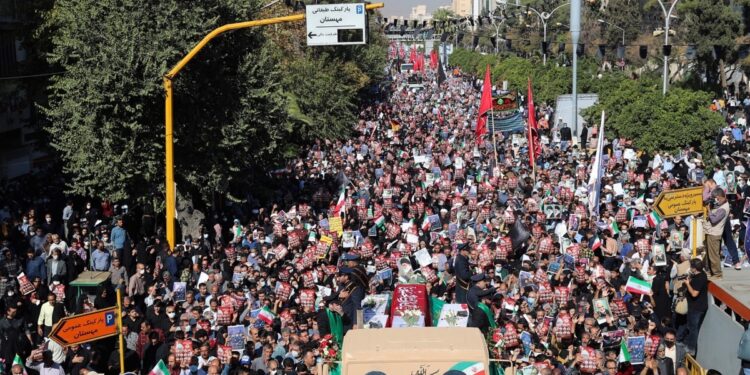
(480,284)
(77,358)
(478,317)
(565,137)
(351,294)
(697,298)
(358,272)
(333,304)
(462,272)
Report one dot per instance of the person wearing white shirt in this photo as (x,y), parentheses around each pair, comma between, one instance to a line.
(46,366)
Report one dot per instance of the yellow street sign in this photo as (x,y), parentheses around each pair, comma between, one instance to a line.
(681,202)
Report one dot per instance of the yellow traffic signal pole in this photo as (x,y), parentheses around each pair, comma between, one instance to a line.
(168,139)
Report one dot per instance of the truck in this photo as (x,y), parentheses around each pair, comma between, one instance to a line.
(415,351)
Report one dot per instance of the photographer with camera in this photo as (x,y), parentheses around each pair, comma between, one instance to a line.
(714,227)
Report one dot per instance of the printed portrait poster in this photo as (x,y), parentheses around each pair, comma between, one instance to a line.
(25,284)
(637,347)
(611,339)
(183,350)
(602,310)
(236,337)
(660,255)
(180,289)
(224,353)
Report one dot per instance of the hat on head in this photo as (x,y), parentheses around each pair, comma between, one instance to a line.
(345,270)
(245,360)
(350,257)
(478,277)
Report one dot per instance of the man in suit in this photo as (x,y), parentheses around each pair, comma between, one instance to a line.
(351,295)
(462,272)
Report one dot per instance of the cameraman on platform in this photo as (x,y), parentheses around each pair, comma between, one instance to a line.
(714,227)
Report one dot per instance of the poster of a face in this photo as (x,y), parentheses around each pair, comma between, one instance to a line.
(636,347)
(602,310)
(660,255)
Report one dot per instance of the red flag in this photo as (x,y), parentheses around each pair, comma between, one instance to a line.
(534,146)
(485,105)
(433,60)
(420,62)
(413,57)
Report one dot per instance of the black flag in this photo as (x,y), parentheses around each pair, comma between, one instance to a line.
(441,73)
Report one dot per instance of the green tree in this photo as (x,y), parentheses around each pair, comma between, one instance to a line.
(712,26)
(442,14)
(636,110)
(238,105)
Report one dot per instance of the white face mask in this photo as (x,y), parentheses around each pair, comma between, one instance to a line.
(55,282)
(55,257)
(170,315)
(141,271)
(294,353)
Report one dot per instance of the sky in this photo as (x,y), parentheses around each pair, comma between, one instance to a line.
(397,8)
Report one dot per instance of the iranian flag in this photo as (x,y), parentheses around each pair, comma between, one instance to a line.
(341,202)
(597,243)
(160,369)
(624,352)
(266,315)
(614,228)
(654,219)
(425,223)
(637,286)
(18,361)
(380,222)
(468,368)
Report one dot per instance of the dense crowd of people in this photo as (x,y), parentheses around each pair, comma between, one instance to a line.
(555,288)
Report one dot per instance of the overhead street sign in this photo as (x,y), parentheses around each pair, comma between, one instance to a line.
(336,24)
(85,327)
(680,202)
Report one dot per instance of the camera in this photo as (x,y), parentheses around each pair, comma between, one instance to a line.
(683,277)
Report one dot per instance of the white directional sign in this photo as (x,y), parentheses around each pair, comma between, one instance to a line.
(336,24)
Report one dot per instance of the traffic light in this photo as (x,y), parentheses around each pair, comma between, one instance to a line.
(666,49)
(545,46)
(475,42)
(580,49)
(643,51)
(493,40)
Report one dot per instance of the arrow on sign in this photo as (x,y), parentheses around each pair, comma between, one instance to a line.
(680,202)
(82,328)
(311,35)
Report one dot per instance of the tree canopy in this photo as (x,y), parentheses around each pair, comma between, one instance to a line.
(248,99)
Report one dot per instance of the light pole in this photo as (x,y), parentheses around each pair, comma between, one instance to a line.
(623,37)
(544,17)
(667,16)
(615,26)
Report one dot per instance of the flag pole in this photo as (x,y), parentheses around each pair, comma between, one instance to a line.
(494,143)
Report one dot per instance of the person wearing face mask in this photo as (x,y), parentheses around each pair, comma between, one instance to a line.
(137,285)
(674,350)
(55,266)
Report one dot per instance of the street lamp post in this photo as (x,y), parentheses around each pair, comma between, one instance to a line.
(615,26)
(544,17)
(623,36)
(667,16)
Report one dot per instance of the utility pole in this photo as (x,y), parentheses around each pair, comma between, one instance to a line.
(667,16)
(575,33)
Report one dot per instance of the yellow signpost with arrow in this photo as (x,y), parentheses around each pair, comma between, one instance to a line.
(682,202)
